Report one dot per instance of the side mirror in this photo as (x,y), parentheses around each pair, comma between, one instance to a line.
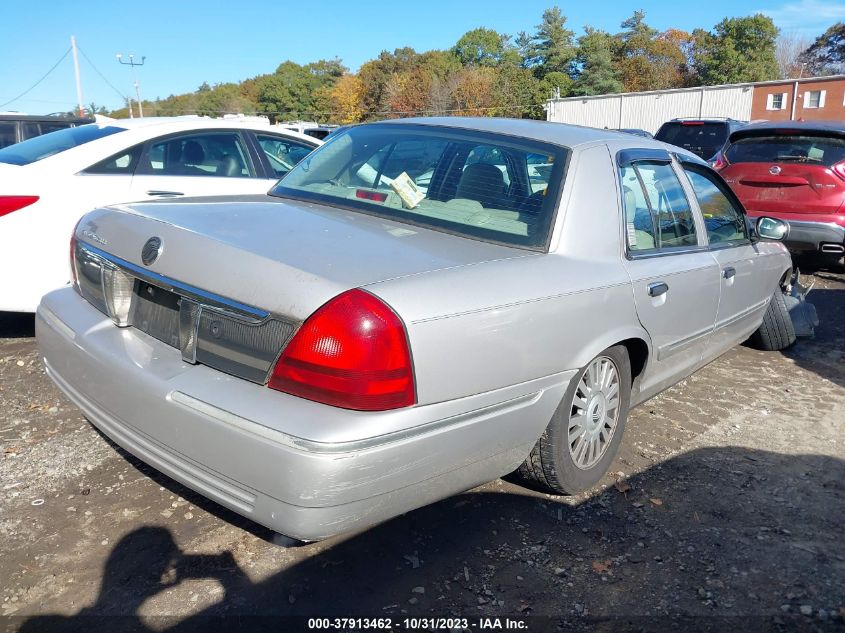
(771,228)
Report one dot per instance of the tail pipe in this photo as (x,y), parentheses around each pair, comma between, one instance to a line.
(832,248)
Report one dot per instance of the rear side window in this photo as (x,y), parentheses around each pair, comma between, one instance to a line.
(724,221)
(481,185)
(41,147)
(700,137)
(657,212)
(206,154)
(814,150)
(121,163)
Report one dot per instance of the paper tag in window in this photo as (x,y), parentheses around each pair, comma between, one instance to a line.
(407,189)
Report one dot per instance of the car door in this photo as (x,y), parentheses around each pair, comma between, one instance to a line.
(674,278)
(199,163)
(744,293)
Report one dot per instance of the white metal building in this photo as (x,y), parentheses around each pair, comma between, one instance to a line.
(649,110)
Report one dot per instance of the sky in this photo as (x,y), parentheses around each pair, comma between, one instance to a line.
(186,42)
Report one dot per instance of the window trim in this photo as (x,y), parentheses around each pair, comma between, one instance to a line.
(559,180)
(148,144)
(630,158)
(808,95)
(721,185)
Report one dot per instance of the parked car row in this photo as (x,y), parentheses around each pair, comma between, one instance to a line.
(415,308)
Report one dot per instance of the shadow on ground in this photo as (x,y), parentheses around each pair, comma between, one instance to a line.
(709,540)
(17,325)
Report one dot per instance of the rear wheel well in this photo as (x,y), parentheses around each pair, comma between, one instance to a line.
(637,354)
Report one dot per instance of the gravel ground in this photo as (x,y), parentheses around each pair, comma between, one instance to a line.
(723,510)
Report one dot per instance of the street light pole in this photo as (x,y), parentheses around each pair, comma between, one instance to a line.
(133,63)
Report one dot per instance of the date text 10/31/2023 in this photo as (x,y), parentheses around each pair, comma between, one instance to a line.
(418,624)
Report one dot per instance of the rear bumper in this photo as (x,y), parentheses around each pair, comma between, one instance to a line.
(815,237)
(201,427)
(806,236)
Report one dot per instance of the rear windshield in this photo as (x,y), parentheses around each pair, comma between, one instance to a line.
(41,147)
(485,186)
(817,150)
(703,139)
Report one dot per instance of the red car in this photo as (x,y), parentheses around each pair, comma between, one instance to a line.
(794,171)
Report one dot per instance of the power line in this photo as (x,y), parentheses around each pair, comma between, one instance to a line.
(102,76)
(25,92)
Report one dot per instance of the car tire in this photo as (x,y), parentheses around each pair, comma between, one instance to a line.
(776,332)
(554,463)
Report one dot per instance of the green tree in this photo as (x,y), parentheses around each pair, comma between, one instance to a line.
(826,56)
(516,93)
(551,49)
(737,50)
(482,47)
(596,72)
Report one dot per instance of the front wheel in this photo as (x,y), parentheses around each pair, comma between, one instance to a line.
(777,331)
(583,436)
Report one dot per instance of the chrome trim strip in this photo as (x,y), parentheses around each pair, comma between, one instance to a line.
(678,346)
(336,448)
(741,315)
(230,306)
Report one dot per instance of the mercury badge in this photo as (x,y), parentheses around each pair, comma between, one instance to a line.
(774,170)
(152,249)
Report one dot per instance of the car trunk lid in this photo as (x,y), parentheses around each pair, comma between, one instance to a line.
(282,256)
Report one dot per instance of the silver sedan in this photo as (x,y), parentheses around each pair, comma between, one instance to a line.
(418,307)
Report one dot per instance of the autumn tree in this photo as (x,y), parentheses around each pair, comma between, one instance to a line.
(346,98)
(647,59)
(471,90)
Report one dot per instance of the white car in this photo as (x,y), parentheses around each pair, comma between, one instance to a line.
(48,182)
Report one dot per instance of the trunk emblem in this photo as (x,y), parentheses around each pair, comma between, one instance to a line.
(774,170)
(151,250)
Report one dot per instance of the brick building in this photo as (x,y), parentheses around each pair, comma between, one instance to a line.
(813,99)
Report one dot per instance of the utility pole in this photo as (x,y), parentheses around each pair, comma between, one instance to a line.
(133,63)
(80,109)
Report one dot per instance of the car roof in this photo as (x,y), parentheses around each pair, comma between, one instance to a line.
(166,125)
(546,131)
(762,127)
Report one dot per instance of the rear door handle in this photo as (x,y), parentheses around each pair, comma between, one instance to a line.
(156,192)
(729,272)
(658,288)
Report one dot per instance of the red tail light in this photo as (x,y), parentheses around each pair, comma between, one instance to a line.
(351,353)
(839,169)
(13,203)
(719,163)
